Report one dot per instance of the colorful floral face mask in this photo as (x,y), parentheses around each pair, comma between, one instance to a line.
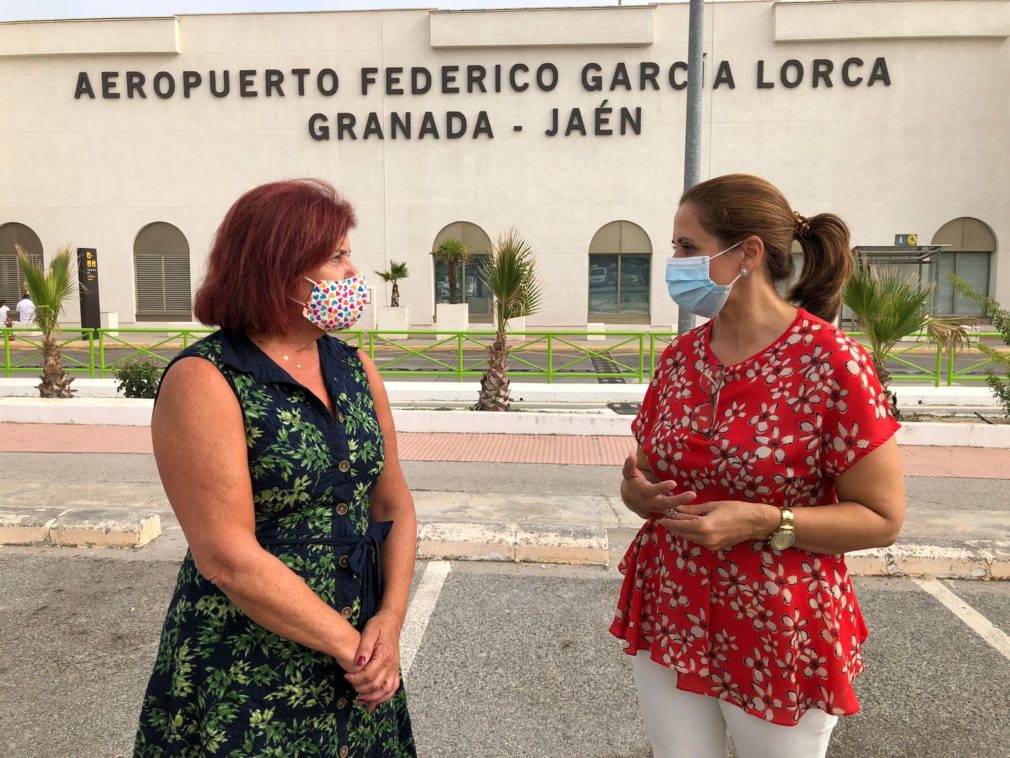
(336,304)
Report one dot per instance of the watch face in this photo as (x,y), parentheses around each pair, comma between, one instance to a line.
(782,540)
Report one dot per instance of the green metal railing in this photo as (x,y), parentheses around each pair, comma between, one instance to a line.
(440,361)
(547,355)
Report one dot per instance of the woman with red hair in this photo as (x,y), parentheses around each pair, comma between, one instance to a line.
(276,447)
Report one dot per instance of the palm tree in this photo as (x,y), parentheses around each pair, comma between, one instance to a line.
(452,252)
(394,273)
(48,291)
(890,307)
(508,272)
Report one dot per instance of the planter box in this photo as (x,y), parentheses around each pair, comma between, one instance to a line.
(452,318)
(393,319)
(367,320)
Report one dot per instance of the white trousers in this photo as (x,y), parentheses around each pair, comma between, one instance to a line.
(686,725)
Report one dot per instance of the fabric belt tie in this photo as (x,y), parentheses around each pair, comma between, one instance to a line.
(359,559)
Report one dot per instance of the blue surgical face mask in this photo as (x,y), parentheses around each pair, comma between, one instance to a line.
(691,286)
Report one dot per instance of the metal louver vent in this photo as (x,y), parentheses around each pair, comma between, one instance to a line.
(11,278)
(163,289)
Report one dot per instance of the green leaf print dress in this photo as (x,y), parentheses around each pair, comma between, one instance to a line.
(222,684)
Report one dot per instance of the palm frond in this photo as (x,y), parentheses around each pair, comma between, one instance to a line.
(950,332)
(48,290)
(452,251)
(509,273)
(887,306)
(890,307)
(394,273)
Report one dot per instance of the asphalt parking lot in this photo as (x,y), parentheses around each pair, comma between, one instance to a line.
(501,659)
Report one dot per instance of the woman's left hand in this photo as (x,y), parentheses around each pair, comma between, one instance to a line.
(378,679)
(722,523)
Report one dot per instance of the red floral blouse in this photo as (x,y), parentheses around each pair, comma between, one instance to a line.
(773,632)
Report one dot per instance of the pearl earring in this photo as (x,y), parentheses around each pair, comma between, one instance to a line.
(745,272)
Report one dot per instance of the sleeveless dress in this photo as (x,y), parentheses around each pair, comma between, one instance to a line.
(222,684)
(774,632)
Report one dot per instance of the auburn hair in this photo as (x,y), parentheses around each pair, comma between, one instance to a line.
(270,238)
(737,206)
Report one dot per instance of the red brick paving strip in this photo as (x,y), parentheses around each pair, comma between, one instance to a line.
(958,462)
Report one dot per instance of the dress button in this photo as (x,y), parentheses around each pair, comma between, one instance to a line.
(341,418)
(344,561)
(344,466)
(343,752)
(342,509)
(347,612)
(341,704)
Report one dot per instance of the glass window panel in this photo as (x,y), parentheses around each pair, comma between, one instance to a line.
(442,282)
(603,284)
(634,294)
(477,294)
(944,289)
(974,269)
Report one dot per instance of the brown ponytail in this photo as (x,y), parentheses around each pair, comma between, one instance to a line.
(827,265)
(736,206)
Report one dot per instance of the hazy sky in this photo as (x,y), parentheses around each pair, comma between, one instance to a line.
(13,10)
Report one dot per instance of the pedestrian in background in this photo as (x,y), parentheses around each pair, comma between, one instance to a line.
(276,446)
(5,314)
(766,451)
(25,309)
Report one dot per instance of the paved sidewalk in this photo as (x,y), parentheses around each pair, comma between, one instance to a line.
(976,463)
(958,522)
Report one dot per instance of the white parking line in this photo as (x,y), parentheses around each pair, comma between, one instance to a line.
(978,623)
(419,612)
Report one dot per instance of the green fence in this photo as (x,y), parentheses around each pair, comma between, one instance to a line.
(626,356)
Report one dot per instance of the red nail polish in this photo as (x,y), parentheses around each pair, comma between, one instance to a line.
(361,661)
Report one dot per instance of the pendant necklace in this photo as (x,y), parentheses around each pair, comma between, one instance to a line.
(288,359)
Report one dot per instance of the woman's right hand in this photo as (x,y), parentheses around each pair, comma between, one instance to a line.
(348,649)
(644,494)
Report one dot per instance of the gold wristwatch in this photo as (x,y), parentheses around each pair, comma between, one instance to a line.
(785,536)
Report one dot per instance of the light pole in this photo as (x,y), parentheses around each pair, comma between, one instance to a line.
(692,127)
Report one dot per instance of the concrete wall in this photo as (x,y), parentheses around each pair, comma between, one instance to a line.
(907,157)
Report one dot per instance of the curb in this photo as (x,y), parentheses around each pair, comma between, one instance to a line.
(78,528)
(911,397)
(513,543)
(980,559)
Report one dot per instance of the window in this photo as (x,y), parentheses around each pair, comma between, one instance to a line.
(11,279)
(469,287)
(161,263)
(620,261)
(969,255)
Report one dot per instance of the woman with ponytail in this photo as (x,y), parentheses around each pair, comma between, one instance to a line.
(765,453)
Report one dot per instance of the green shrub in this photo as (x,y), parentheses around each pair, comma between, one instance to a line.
(1000,316)
(139,377)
